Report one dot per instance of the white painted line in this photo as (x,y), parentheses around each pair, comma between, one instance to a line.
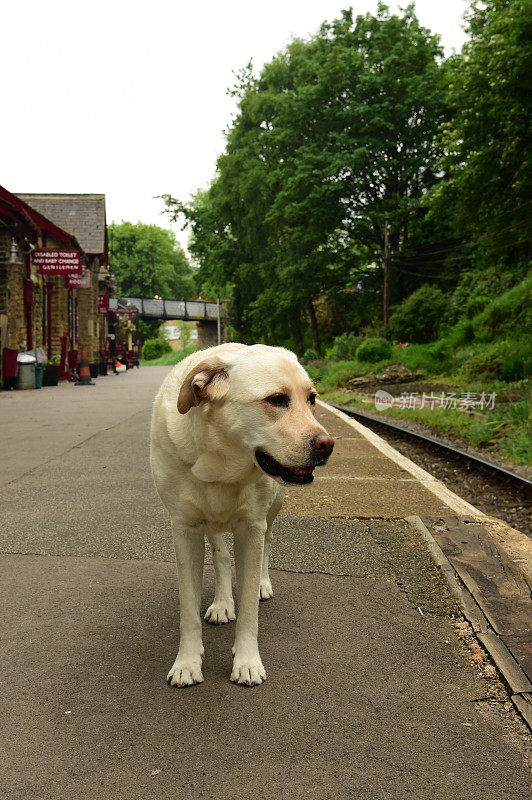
(387,479)
(450,499)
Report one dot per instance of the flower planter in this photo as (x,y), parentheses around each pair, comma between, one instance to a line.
(50,375)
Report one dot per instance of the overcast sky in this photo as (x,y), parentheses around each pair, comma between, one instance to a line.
(129,98)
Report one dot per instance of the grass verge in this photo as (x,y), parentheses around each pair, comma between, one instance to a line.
(505,430)
(169,359)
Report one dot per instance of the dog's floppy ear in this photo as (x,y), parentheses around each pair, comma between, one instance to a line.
(208,380)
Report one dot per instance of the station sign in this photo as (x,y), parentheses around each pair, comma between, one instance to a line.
(57,262)
(74,281)
(103,303)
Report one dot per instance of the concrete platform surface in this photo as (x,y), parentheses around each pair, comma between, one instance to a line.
(369,695)
(366,698)
(39,425)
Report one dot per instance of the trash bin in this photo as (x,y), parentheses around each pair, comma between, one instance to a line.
(40,360)
(39,369)
(26,371)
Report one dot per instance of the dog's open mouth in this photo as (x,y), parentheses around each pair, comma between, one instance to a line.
(272,467)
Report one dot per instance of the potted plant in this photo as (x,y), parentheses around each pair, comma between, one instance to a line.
(51,371)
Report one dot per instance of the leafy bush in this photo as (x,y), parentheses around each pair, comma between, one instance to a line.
(331,374)
(344,346)
(504,359)
(154,348)
(476,289)
(462,333)
(517,363)
(431,359)
(509,314)
(418,317)
(373,350)
(310,355)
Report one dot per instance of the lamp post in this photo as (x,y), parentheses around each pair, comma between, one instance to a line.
(13,253)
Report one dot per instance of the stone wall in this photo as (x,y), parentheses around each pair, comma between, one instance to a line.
(89,319)
(207,334)
(5,244)
(13,322)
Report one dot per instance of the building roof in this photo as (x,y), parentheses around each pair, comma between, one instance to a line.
(81,214)
(27,220)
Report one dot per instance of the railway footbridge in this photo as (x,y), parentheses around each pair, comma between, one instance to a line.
(207,315)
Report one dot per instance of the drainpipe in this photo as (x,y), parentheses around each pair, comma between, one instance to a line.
(49,289)
(29,303)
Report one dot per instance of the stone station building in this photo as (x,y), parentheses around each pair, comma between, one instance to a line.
(37,310)
(83,215)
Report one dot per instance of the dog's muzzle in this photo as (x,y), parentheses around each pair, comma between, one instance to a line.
(321,448)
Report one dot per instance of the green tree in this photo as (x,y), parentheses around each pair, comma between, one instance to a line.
(487,190)
(147,260)
(335,134)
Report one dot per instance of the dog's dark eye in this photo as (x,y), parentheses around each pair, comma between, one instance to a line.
(279,400)
(312,399)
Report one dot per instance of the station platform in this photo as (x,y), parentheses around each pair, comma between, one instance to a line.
(370,692)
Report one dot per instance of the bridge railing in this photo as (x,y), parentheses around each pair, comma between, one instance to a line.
(174,309)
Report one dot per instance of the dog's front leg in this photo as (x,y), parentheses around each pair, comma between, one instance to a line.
(190,550)
(249,546)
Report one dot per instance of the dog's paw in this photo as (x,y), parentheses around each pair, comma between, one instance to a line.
(266,589)
(185,672)
(248,671)
(220,613)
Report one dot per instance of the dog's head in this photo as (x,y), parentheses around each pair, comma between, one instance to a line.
(259,402)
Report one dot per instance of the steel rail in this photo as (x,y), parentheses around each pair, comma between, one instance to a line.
(507,473)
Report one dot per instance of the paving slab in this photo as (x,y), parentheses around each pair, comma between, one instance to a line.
(359,459)
(366,699)
(385,497)
(336,427)
(39,425)
(96,499)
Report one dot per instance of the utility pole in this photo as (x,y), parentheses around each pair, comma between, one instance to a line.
(218,320)
(386,265)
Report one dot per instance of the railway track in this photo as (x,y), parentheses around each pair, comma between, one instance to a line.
(494,489)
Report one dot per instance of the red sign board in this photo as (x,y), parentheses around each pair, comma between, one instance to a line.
(74,281)
(103,303)
(57,262)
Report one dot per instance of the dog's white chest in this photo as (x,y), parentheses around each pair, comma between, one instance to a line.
(219,503)
(221,500)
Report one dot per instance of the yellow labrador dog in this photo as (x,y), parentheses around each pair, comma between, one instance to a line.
(231,425)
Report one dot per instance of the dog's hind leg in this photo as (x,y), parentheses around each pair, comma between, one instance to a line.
(222,608)
(189,549)
(266,589)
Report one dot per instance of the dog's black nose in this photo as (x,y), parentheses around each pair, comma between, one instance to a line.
(323,443)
